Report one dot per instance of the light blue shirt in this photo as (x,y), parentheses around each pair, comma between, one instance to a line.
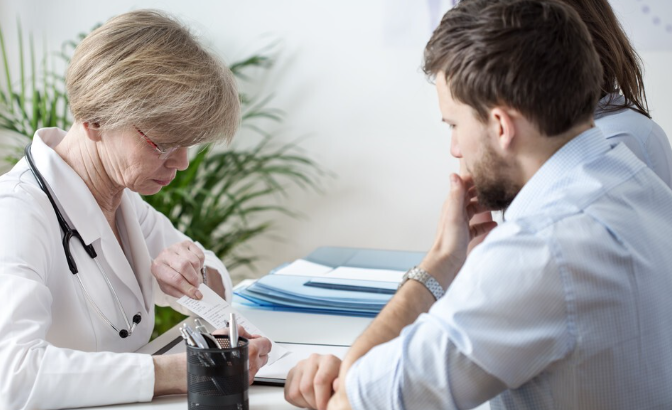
(565,305)
(642,135)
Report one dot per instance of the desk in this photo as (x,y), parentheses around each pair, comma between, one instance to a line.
(279,326)
(292,327)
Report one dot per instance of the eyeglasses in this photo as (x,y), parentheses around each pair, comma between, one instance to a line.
(163,153)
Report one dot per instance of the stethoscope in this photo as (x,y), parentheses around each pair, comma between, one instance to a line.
(68,234)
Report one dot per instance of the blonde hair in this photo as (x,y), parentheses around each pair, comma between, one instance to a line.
(145,69)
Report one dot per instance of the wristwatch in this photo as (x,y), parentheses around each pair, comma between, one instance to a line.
(422,276)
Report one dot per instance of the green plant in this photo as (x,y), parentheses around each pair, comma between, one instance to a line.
(36,101)
(223,200)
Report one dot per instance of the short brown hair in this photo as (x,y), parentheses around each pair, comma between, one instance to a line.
(535,56)
(621,65)
(147,70)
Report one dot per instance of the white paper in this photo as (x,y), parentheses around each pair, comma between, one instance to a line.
(299,352)
(381,275)
(301,267)
(216,311)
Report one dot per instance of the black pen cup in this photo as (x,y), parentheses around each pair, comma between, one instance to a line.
(218,378)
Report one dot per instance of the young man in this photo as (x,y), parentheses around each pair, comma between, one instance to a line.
(563,306)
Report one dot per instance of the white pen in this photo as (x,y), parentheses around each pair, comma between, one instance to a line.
(233,330)
(186,337)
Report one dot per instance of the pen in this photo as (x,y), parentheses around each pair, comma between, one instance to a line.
(233,330)
(198,338)
(199,326)
(189,335)
(210,339)
(351,288)
(186,337)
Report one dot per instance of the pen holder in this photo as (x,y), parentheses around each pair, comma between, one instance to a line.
(218,378)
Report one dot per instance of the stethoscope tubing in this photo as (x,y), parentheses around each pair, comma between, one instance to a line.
(69,233)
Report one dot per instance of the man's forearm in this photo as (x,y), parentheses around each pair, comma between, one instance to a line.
(410,301)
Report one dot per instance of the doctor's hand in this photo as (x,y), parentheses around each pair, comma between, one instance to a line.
(177,269)
(447,255)
(313,381)
(257,350)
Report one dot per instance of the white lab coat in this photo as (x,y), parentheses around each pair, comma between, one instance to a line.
(55,351)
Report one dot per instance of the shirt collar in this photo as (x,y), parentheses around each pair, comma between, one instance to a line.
(606,105)
(542,188)
(71,193)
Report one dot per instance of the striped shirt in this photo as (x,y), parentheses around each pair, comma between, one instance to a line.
(565,305)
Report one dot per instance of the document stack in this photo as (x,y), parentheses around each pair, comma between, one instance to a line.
(308,286)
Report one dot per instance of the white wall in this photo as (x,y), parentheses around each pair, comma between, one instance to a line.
(370,115)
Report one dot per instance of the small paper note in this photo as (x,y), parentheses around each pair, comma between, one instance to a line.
(216,311)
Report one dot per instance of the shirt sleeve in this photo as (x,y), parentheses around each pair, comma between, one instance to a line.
(160,234)
(419,381)
(645,138)
(660,152)
(504,319)
(35,373)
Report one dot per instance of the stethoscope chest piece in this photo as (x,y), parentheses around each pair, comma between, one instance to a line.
(123,333)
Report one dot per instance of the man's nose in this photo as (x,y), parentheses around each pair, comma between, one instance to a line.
(454,148)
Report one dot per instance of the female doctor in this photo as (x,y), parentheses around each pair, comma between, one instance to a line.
(83,259)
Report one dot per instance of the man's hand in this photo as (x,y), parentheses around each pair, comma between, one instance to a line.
(339,401)
(257,350)
(455,233)
(177,269)
(479,219)
(312,382)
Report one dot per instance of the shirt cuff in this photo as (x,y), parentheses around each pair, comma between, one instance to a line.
(352,387)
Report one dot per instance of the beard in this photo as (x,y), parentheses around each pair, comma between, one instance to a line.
(493,180)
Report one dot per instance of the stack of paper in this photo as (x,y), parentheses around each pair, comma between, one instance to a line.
(307,286)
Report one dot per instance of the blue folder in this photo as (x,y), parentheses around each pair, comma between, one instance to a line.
(330,295)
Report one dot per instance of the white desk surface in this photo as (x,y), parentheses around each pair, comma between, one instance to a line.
(279,326)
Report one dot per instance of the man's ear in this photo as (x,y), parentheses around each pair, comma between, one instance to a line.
(503,127)
(92,130)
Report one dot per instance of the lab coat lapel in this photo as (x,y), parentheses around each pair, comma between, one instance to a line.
(142,261)
(116,259)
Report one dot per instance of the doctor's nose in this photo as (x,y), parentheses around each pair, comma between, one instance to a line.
(178,159)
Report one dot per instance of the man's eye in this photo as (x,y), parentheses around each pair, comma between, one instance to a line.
(452,126)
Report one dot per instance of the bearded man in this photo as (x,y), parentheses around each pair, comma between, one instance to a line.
(566,304)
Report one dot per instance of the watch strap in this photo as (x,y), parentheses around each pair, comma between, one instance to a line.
(420,275)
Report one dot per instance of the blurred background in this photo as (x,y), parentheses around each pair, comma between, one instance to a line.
(340,79)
